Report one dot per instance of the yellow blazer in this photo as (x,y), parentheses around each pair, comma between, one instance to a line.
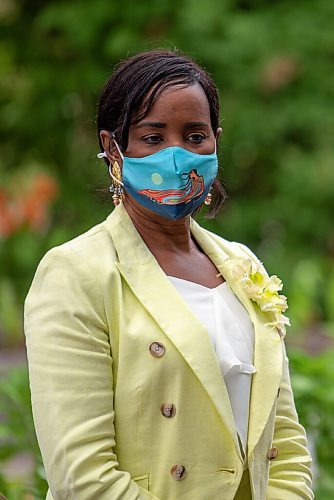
(95,307)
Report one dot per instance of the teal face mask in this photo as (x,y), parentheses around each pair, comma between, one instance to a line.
(172,182)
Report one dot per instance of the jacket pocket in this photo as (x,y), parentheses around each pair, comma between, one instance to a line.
(142,481)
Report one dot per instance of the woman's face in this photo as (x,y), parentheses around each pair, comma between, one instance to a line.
(179,117)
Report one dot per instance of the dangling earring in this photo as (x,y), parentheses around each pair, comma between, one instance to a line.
(116,186)
(208,199)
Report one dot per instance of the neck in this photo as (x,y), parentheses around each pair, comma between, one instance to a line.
(160,234)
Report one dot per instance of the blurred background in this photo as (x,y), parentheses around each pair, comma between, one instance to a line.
(273,62)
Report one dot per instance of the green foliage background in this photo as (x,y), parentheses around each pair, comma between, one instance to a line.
(273,63)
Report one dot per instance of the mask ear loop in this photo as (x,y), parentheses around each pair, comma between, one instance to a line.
(115,179)
(104,155)
(208,198)
(117,146)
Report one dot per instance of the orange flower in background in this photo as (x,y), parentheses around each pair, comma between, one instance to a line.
(8,219)
(5,219)
(35,202)
(27,206)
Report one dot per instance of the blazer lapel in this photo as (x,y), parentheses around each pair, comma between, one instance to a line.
(160,298)
(268,349)
(149,283)
(268,361)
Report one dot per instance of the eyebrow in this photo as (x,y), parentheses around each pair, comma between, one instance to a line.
(163,125)
(196,124)
(151,124)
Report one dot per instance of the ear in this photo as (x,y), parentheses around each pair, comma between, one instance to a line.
(218,132)
(109,147)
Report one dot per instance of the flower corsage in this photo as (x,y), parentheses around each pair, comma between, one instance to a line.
(263,290)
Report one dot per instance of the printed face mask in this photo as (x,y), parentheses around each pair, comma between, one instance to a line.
(172,182)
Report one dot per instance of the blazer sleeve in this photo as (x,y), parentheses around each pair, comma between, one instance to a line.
(290,476)
(71,382)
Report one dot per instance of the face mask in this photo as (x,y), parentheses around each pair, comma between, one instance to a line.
(172,182)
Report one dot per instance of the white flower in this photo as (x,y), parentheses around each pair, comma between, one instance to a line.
(263,290)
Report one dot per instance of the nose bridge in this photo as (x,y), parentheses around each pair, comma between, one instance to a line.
(175,137)
(176,158)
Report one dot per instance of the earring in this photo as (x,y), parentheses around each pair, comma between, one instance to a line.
(208,199)
(116,187)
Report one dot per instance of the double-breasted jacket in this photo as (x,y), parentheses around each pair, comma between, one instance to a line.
(111,344)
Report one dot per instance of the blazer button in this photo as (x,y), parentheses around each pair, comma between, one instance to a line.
(168,410)
(178,472)
(157,349)
(272,453)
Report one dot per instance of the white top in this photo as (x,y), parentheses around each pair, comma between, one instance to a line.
(232,334)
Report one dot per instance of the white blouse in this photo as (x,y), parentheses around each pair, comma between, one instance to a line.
(232,334)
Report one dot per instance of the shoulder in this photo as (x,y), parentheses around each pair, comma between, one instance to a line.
(91,245)
(91,254)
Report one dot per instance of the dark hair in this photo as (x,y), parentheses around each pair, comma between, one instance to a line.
(123,98)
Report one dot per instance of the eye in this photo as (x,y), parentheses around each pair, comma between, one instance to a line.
(196,138)
(153,139)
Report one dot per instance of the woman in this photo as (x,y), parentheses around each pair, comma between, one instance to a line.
(156,353)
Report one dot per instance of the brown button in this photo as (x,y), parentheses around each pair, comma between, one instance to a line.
(168,410)
(178,472)
(157,349)
(272,453)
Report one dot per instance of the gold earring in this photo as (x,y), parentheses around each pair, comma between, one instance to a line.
(208,199)
(116,183)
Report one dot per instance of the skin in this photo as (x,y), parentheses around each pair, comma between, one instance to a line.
(179,117)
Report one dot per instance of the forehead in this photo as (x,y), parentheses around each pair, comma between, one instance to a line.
(179,101)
